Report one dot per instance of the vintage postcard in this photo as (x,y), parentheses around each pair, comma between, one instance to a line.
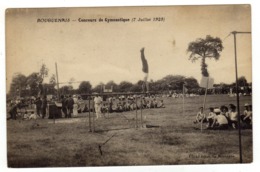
(125,86)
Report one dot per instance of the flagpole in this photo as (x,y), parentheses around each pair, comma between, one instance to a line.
(238,107)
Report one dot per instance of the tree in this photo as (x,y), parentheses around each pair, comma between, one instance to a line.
(125,86)
(242,82)
(66,89)
(84,87)
(112,84)
(53,80)
(17,85)
(43,72)
(191,83)
(33,81)
(98,88)
(205,48)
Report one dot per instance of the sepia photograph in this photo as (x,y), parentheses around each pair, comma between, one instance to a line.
(128,86)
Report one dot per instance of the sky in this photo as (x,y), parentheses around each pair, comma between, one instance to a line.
(101,51)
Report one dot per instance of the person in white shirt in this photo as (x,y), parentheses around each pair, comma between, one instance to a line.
(98,105)
(247,116)
(75,106)
(211,116)
(201,117)
(233,116)
(220,121)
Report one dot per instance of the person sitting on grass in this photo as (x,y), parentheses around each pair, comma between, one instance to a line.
(210,117)
(160,104)
(155,103)
(26,115)
(233,116)
(201,117)
(220,121)
(32,116)
(247,116)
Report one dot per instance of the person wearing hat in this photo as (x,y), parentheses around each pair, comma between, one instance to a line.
(233,116)
(201,117)
(220,121)
(247,115)
(64,105)
(70,103)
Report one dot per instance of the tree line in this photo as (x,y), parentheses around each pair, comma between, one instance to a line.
(25,86)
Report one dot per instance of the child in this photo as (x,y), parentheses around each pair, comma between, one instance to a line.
(33,116)
(211,116)
(200,116)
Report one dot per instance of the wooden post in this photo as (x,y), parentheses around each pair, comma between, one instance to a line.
(58,89)
(136,125)
(141,112)
(183,100)
(206,91)
(89,117)
(93,117)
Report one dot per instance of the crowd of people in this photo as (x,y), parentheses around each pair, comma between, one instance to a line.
(33,108)
(123,104)
(225,117)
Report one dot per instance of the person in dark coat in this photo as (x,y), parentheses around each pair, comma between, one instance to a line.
(44,106)
(38,103)
(13,111)
(64,105)
(70,103)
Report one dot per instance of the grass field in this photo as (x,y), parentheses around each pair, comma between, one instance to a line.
(68,142)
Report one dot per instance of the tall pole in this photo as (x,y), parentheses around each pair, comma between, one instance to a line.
(238,108)
(57,81)
(136,125)
(183,100)
(89,117)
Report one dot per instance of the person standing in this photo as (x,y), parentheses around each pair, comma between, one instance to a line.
(98,103)
(38,103)
(70,106)
(44,106)
(64,105)
(145,69)
(75,106)
(13,111)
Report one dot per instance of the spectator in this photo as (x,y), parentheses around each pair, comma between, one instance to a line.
(44,106)
(211,116)
(247,115)
(70,106)
(98,103)
(233,116)
(13,111)
(220,121)
(75,106)
(64,105)
(38,103)
(200,116)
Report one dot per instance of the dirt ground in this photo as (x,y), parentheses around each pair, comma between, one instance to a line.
(172,139)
